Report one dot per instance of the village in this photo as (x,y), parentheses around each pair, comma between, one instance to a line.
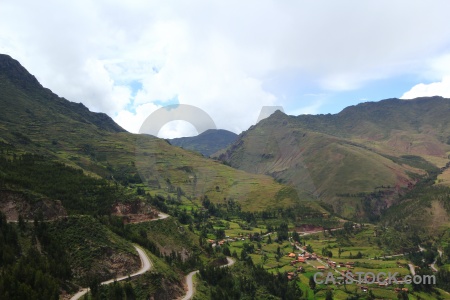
(300,262)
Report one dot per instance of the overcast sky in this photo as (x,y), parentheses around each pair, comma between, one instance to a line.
(229,58)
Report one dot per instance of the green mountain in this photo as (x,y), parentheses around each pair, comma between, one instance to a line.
(207,142)
(76,191)
(376,147)
(18,86)
(34,120)
(75,173)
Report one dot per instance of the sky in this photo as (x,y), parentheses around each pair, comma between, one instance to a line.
(229,58)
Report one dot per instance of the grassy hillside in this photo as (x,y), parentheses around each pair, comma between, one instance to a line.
(66,168)
(315,163)
(424,208)
(387,145)
(61,162)
(37,121)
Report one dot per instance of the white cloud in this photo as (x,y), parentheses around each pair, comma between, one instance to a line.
(441,88)
(218,56)
(176,129)
(439,73)
(132,121)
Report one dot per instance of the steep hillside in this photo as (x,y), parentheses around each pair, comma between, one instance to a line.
(424,209)
(35,120)
(46,108)
(341,158)
(93,249)
(82,179)
(207,142)
(67,168)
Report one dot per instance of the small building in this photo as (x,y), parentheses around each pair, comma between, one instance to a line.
(290,275)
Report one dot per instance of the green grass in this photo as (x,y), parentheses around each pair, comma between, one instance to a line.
(235,230)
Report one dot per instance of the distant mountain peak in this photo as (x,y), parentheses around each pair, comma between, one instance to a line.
(14,78)
(207,142)
(278,113)
(17,74)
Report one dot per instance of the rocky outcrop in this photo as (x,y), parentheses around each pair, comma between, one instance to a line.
(14,204)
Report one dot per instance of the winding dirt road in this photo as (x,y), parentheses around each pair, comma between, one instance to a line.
(190,283)
(145,266)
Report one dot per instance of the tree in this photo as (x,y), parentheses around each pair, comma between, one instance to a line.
(94,285)
(21,223)
(129,291)
(140,191)
(243,254)
(348,227)
(312,283)
(264,258)
(220,234)
(283,232)
(296,236)
(278,257)
(439,261)
(329,295)
(226,251)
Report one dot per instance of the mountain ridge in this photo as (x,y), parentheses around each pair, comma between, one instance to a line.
(207,142)
(35,120)
(12,71)
(388,143)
